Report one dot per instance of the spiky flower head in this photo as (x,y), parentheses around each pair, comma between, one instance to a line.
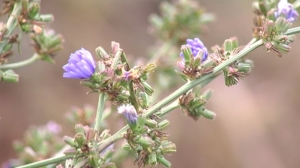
(196,45)
(81,65)
(285,9)
(129,113)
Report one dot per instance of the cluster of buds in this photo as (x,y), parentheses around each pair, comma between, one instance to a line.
(85,146)
(38,143)
(25,14)
(146,138)
(179,20)
(237,70)
(194,105)
(111,75)
(84,116)
(193,64)
(271,22)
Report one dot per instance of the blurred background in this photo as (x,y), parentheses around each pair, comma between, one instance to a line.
(257,122)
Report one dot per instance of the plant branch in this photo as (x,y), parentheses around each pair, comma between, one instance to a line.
(100,110)
(28,61)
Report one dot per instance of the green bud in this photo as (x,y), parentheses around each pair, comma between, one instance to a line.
(34,9)
(168,147)
(151,123)
(282,25)
(71,151)
(152,158)
(126,147)
(256,8)
(53,41)
(207,94)
(187,53)
(68,140)
(79,140)
(163,124)
(282,48)
(47,18)
(230,45)
(79,128)
(148,89)
(101,53)
(208,114)
(93,162)
(9,76)
(144,141)
(26,27)
(262,7)
(144,100)
(244,67)
(163,161)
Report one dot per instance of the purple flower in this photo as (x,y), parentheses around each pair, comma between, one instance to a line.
(129,113)
(286,10)
(196,45)
(53,127)
(81,65)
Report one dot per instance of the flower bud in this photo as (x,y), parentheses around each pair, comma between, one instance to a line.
(164,161)
(68,140)
(101,53)
(148,89)
(144,141)
(34,9)
(129,113)
(151,123)
(47,18)
(163,124)
(208,114)
(9,76)
(79,140)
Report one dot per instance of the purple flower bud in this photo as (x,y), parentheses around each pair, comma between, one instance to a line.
(129,113)
(196,45)
(286,10)
(81,65)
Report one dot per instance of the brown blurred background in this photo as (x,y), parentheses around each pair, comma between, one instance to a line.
(257,122)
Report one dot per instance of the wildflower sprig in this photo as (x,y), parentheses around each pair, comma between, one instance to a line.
(127,87)
(25,15)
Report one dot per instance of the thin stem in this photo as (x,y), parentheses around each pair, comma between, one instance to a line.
(294,30)
(28,61)
(46,162)
(131,90)
(100,109)
(168,109)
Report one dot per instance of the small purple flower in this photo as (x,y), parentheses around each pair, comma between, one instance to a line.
(53,127)
(196,45)
(81,65)
(129,113)
(286,10)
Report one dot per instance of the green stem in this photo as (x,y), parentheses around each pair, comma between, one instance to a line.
(28,61)
(118,135)
(294,30)
(203,80)
(100,109)
(11,23)
(131,90)
(46,162)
